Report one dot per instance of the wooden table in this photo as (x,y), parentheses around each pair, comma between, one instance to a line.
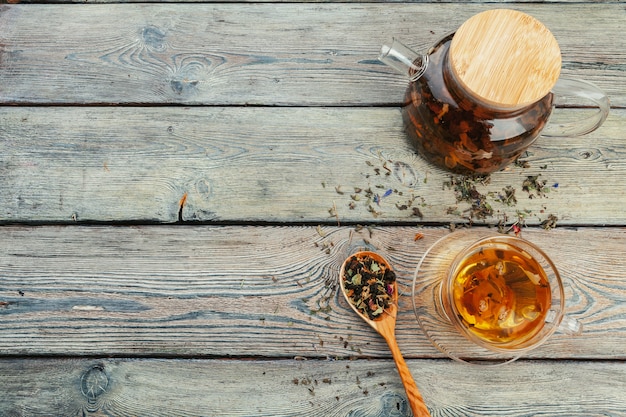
(177,193)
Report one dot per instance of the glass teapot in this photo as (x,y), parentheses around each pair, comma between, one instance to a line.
(481,96)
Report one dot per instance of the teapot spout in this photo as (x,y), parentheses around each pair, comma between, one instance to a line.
(403,59)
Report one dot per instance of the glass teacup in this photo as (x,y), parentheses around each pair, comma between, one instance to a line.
(484,297)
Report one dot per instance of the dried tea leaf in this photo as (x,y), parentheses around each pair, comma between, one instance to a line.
(371,287)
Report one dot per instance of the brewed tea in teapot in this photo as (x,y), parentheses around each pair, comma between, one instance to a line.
(481,96)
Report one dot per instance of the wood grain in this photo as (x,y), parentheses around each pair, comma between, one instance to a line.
(256,291)
(121,387)
(278,1)
(323,54)
(102,164)
(229,117)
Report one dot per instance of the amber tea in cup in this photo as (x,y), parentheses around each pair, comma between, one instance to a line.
(501,294)
(488,295)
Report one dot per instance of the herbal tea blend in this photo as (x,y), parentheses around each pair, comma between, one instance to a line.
(369,284)
(457,134)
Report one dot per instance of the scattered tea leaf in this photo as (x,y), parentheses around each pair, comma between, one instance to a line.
(508,196)
(465,191)
(550,222)
(534,186)
(417,213)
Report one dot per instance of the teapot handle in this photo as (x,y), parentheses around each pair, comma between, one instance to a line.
(568,92)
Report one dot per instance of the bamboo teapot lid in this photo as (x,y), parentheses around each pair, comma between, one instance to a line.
(505,58)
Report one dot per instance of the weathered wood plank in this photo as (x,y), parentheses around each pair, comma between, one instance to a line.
(255,291)
(503,2)
(277,164)
(266,54)
(306,388)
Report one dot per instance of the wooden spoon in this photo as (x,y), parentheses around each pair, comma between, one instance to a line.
(385,326)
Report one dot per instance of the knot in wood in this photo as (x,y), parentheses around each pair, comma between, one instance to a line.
(94,383)
(153,38)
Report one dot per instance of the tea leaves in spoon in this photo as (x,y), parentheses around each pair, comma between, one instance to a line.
(369,285)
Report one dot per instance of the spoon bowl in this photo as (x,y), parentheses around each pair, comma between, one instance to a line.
(385,324)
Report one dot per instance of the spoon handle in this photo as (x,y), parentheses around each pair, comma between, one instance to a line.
(413,395)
